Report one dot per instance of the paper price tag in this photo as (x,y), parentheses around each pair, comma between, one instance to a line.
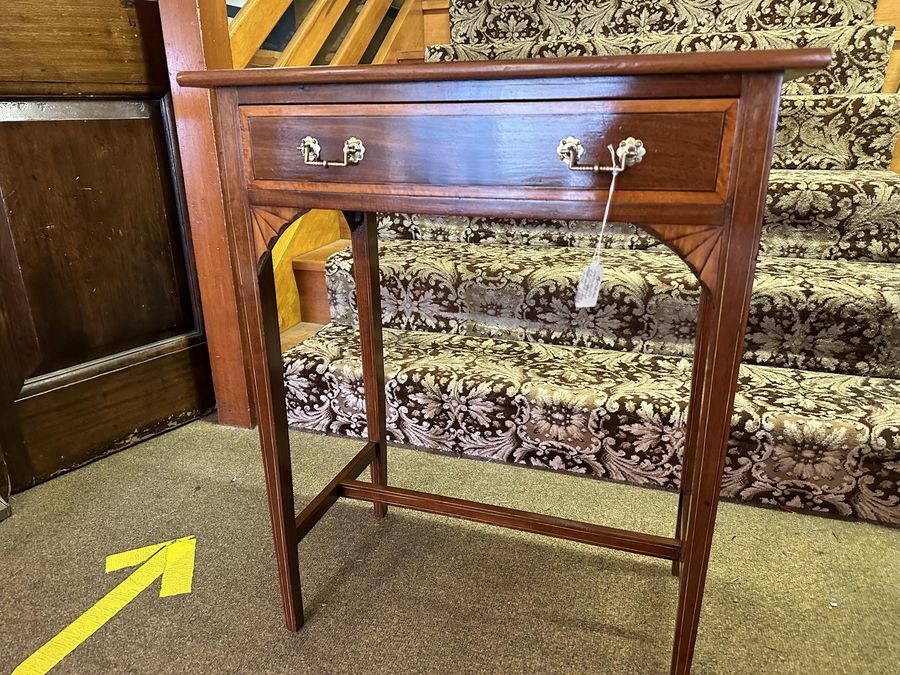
(589,285)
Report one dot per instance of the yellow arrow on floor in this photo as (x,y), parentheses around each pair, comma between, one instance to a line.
(173,560)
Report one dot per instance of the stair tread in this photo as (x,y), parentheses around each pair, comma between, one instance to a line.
(799,438)
(837,131)
(313,261)
(574,256)
(818,314)
(835,175)
(861,51)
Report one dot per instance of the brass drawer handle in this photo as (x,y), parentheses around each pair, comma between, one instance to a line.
(354,152)
(630,152)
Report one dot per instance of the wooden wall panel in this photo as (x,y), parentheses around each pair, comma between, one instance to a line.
(132,401)
(101,339)
(18,349)
(119,280)
(103,45)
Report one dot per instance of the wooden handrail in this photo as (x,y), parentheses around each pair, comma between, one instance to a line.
(406,33)
(251,26)
(361,33)
(312,33)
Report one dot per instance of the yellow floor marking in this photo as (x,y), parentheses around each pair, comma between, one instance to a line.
(173,560)
(179,572)
(119,561)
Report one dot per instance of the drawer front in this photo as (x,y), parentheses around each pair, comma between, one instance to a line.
(449,149)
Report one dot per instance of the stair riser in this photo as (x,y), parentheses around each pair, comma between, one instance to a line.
(797,319)
(816,216)
(809,215)
(618,416)
(837,132)
(478,22)
(860,52)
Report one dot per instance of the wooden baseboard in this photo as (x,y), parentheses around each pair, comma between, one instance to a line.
(104,407)
(5,510)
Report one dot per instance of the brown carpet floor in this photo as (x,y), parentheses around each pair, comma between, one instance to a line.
(423,594)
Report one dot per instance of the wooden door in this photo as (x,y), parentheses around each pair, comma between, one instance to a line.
(99,310)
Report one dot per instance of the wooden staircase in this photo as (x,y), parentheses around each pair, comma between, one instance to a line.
(309,273)
(265,33)
(418,23)
(282,33)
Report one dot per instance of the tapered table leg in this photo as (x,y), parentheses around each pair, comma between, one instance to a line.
(724,309)
(708,429)
(268,390)
(690,443)
(364,241)
(258,310)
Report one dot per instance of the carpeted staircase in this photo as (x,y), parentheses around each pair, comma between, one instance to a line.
(486,355)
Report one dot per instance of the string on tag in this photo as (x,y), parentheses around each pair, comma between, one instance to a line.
(592,276)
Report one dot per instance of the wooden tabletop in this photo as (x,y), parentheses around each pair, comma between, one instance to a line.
(794,62)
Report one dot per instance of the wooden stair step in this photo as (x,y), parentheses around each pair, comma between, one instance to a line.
(298,333)
(314,261)
(309,273)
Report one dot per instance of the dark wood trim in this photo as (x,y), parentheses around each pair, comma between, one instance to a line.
(364,245)
(318,507)
(193,35)
(138,400)
(179,199)
(5,477)
(61,378)
(19,352)
(776,60)
(18,338)
(525,521)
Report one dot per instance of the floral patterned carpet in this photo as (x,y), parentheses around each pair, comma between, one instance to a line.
(487,356)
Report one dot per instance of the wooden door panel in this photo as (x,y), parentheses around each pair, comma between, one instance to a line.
(99,314)
(68,421)
(98,241)
(94,227)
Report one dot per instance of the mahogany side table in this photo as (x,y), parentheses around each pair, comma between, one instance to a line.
(486,139)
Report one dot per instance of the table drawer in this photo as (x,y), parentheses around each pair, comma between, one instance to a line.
(444,149)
